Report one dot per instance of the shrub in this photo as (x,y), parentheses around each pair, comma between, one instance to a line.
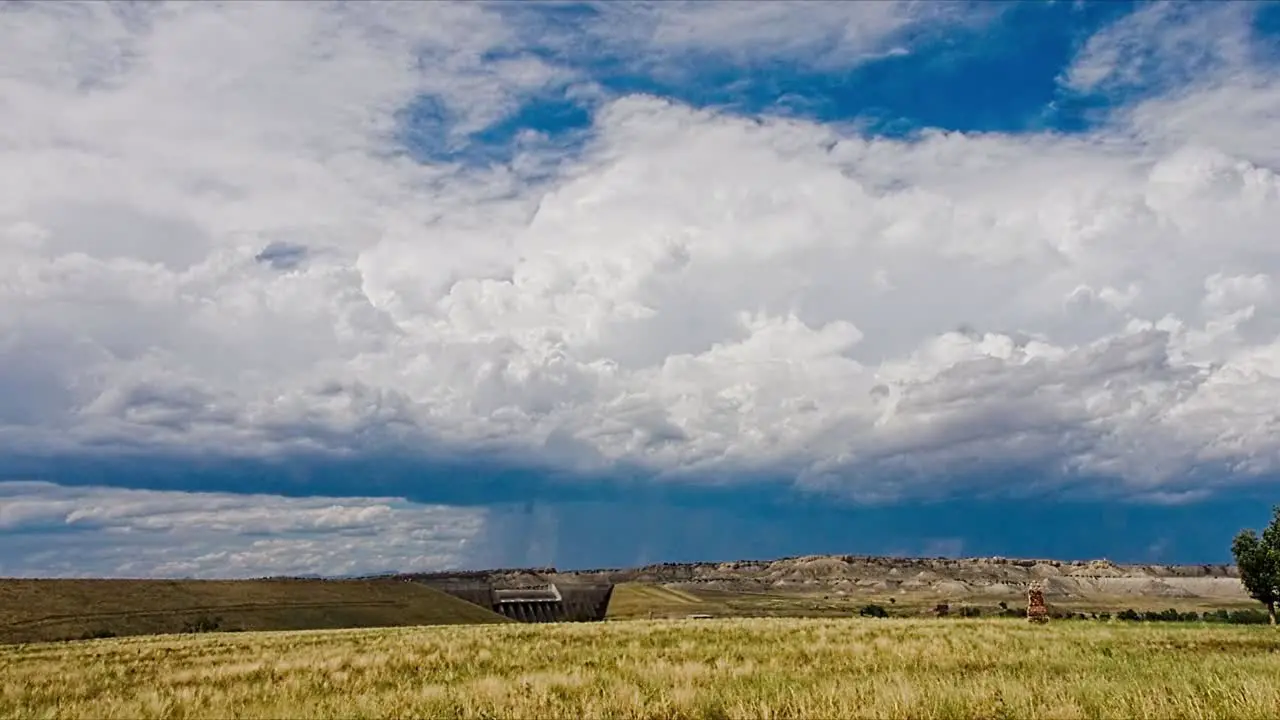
(98,634)
(970,612)
(202,624)
(875,611)
(1248,617)
(942,609)
(1172,615)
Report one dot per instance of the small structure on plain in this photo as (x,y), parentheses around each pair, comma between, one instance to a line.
(1037,612)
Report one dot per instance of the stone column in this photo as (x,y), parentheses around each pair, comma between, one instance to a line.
(1036,610)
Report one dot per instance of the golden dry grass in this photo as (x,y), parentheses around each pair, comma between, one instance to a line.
(820,668)
(641,600)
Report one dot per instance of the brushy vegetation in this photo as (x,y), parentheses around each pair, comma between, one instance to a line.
(1231,617)
(780,667)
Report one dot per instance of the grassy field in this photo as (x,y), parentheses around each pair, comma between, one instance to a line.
(641,600)
(44,610)
(632,601)
(645,601)
(821,668)
(37,610)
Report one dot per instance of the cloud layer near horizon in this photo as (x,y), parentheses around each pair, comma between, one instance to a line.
(211,242)
(54,531)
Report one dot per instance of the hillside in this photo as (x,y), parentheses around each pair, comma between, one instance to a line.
(986,576)
(40,610)
(813,586)
(832,585)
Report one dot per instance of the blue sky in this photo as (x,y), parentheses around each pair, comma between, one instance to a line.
(333,288)
(999,75)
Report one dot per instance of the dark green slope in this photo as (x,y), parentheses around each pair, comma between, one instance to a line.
(44,610)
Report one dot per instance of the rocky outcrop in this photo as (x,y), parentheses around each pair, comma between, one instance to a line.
(944,576)
(853,574)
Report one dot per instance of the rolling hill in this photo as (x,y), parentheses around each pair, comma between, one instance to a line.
(44,610)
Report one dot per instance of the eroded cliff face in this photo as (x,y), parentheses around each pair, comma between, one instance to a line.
(990,576)
(850,574)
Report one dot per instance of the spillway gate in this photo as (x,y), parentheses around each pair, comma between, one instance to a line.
(550,602)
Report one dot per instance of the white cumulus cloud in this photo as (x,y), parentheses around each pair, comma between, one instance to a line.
(820,34)
(210,243)
(56,531)
(1161,44)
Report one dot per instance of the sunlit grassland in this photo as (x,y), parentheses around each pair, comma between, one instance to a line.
(764,667)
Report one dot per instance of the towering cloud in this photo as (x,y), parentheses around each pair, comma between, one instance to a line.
(216,241)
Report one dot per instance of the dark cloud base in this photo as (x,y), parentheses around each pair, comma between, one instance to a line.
(536,517)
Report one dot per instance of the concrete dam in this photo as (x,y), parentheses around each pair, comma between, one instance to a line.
(541,603)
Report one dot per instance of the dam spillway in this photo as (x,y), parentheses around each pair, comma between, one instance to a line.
(544,603)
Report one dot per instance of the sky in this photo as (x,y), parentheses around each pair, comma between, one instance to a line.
(345,287)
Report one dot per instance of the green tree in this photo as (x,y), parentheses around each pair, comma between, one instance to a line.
(1258,559)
